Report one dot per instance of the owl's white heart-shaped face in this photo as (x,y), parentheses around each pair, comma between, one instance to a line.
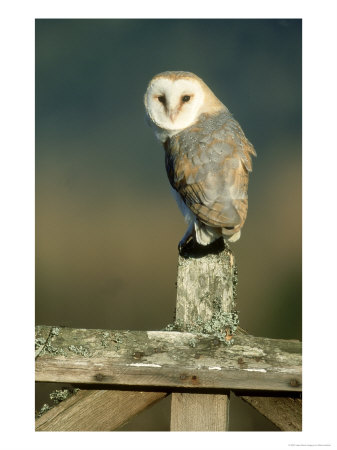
(174,104)
(174,100)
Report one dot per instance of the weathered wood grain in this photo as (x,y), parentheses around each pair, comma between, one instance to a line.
(199,412)
(285,413)
(205,286)
(169,360)
(96,410)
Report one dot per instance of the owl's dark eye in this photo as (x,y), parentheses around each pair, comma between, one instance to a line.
(162,99)
(186,98)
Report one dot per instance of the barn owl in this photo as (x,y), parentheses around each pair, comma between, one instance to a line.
(207,155)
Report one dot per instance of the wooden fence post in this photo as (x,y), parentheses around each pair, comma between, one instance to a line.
(205,303)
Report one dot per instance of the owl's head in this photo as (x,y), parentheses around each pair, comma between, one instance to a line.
(175,100)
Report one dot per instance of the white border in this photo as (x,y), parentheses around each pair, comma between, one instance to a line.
(17,223)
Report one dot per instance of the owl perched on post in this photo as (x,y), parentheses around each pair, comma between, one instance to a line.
(207,155)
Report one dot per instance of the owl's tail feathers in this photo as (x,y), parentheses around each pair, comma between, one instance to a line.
(204,234)
(235,237)
(232,234)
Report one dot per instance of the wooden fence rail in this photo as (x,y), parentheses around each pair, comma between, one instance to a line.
(167,359)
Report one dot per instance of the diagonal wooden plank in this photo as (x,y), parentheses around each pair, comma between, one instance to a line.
(285,413)
(96,410)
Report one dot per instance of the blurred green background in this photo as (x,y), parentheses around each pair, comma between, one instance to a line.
(107,227)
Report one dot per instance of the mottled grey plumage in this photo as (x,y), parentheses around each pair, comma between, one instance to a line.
(208,165)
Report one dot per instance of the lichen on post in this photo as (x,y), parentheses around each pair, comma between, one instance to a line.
(206,291)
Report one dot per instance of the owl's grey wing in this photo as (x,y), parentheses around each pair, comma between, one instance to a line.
(208,164)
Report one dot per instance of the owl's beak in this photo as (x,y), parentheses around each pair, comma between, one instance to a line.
(173,114)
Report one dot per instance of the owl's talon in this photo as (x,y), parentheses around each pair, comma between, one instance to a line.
(182,249)
(184,244)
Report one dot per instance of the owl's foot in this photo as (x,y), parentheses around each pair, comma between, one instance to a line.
(186,239)
(184,244)
(192,249)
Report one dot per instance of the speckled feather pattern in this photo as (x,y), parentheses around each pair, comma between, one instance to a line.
(208,163)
